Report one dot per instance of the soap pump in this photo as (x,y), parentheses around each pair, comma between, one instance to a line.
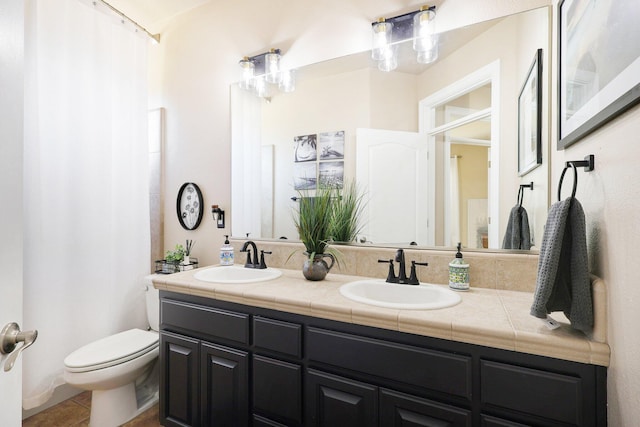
(459,272)
(226,252)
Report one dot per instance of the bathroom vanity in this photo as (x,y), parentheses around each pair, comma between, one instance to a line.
(290,352)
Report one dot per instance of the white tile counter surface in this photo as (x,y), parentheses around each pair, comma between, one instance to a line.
(490,317)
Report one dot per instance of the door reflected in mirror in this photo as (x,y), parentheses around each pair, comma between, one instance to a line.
(435,150)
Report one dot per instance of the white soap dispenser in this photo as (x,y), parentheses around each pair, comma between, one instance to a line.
(226,252)
(459,273)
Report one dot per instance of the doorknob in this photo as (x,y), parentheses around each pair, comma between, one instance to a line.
(10,336)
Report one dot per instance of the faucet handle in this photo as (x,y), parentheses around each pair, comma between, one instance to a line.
(263,265)
(391,276)
(413,278)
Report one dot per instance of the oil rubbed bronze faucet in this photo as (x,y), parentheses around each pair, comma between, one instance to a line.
(253,263)
(401,278)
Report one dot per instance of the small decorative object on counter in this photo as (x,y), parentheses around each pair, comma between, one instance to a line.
(187,253)
(175,260)
(226,252)
(459,272)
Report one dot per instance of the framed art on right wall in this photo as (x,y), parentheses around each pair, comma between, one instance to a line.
(530,118)
(598,64)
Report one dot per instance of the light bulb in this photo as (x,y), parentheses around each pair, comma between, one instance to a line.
(389,60)
(382,33)
(272,66)
(288,81)
(424,37)
(248,70)
(262,87)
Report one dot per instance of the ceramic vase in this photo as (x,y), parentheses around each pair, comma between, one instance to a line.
(317,268)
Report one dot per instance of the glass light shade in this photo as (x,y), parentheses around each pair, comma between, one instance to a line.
(382,33)
(389,61)
(248,71)
(424,37)
(272,66)
(288,81)
(427,56)
(262,87)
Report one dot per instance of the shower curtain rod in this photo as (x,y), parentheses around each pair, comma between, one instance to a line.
(155,37)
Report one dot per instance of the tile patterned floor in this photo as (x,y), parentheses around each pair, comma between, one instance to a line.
(75,412)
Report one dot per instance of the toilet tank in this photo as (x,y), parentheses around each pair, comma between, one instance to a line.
(153,303)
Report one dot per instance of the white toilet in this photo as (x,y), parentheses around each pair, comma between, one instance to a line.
(120,370)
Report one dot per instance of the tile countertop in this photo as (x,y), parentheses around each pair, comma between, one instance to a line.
(488,317)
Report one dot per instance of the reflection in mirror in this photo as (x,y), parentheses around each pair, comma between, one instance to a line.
(434,145)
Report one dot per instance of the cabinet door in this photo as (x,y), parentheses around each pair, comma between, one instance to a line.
(178,380)
(224,386)
(402,410)
(337,401)
(277,390)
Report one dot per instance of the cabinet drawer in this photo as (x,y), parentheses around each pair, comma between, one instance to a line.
(276,335)
(205,321)
(428,369)
(531,391)
(399,410)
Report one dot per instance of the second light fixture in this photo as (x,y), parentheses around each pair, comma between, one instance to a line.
(418,25)
(262,73)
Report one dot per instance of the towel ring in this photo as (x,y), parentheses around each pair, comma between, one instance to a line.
(521,192)
(575,180)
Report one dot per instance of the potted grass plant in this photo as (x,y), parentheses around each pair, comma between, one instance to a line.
(347,207)
(313,222)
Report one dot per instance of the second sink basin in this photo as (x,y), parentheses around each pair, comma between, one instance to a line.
(411,297)
(237,274)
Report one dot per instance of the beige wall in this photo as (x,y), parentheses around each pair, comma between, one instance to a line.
(610,196)
(197,60)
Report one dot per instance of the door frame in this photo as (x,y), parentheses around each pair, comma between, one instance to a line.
(12,29)
(427,124)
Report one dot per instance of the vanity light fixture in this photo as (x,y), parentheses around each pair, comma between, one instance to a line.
(418,26)
(263,74)
(218,215)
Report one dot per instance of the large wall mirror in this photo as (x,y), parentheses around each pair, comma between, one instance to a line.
(434,147)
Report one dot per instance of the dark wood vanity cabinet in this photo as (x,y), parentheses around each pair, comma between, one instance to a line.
(226,364)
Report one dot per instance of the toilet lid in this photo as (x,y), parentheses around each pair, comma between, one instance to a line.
(112,350)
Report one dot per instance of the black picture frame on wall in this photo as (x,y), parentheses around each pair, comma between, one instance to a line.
(530,118)
(189,206)
(598,65)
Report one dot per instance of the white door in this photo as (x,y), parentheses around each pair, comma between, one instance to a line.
(392,167)
(11,137)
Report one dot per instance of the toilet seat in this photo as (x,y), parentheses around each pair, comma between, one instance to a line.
(112,350)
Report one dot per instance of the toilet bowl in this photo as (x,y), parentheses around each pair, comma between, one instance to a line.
(120,370)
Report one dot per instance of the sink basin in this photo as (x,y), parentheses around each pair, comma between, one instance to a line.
(409,297)
(236,274)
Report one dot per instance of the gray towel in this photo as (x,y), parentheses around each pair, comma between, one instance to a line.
(563,282)
(518,235)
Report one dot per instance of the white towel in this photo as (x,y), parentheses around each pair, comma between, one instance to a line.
(563,282)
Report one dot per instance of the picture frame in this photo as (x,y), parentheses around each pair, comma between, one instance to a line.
(530,118)
(189,206)
(598,65)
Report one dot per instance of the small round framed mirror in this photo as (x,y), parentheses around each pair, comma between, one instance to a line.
(189,206)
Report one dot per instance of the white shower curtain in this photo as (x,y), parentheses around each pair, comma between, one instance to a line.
(454,198)
(86,185)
